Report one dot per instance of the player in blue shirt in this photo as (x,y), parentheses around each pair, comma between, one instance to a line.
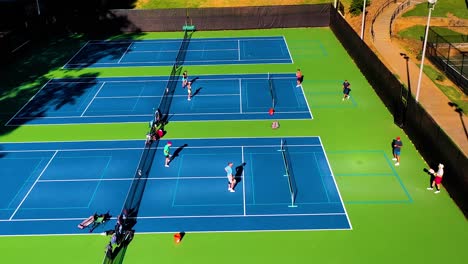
(231,178)
(184,79)
(346,90)
(397,144)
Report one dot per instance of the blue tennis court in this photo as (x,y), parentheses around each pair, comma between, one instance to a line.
(49,188)
(163,52)
(134,99)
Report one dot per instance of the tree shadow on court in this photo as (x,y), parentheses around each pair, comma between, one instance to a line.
(52,40)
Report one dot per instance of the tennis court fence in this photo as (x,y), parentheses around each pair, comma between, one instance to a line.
(450,54)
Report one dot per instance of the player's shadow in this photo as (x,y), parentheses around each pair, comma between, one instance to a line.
(431,175)
(197,91)
(194,80)
(177,152)
(239,172)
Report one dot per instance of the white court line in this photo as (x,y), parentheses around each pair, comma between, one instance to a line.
(139,122)
(244,76)
(236,215)
(45,219)
(191,50)
(191,232)
(162,41)
(144,115)
(238,50)
(131,179)
(119,140)
(196,61)
(125,52)
(240,95)
(287,47)
(78,52)
(243,182)
(92,100)
(129,97)
(188,147)
(304,96)
(158,96)
(175,217)
(34,184)
(336,185)
(20,46)
(30,99)
(67,81)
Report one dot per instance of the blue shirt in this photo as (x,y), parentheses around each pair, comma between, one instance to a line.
(346,85)
(228,169)
(397,144)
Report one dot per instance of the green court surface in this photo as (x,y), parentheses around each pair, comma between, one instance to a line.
(394,218)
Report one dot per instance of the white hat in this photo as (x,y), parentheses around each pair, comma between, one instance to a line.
(441,165)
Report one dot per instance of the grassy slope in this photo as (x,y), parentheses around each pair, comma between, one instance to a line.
(382,232)
(149,4)
(442,8)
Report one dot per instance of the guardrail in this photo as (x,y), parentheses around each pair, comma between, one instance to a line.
(400,8)
(379,11)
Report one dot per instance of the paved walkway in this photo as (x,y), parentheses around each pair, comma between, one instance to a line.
(430,97)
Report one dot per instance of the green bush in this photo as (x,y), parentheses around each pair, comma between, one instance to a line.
(440,77)
(356,6)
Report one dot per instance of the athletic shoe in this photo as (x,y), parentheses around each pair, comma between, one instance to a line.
(342,99)
(397,164)
(347,98)
(232,190)
(167,166)
(189,99)
(437,192)
(394,159)
(430,189)
(298,85)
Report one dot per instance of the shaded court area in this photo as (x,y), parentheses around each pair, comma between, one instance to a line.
(163,52)
(63,183)
(133,99)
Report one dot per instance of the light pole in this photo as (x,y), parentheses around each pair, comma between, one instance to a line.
(363,18)
(38,8)
(431,5)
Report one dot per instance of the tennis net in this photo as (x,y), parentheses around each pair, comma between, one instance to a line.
(288,171)
(166,100)
(272,91)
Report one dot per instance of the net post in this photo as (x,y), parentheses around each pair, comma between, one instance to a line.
(188,26)
(288,172)
(281,146)
(292,205)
